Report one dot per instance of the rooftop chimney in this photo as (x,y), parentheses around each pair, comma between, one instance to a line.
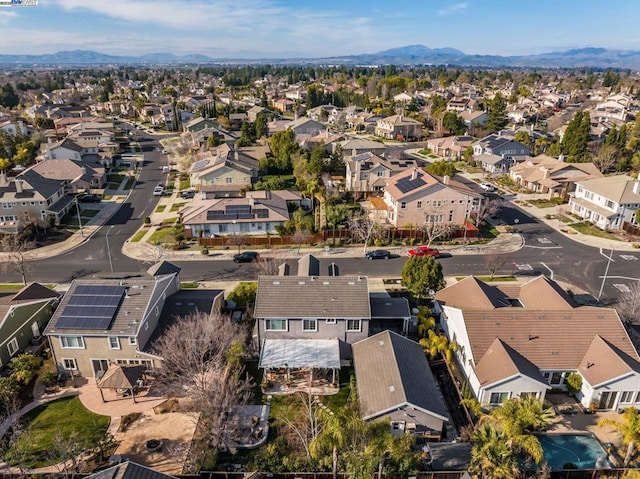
(414,174)
(636,187)
(446,179)
(3,178)
(18,186)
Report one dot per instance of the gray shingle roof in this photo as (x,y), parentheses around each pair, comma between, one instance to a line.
(392,370)
(389,308)
(312,297)
(129,470)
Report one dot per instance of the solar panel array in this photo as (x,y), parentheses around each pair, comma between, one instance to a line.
(199,164)
(407,184)
(237,212)
(91,307)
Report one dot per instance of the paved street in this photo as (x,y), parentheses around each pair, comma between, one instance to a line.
(539,248)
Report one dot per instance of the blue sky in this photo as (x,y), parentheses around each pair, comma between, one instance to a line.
(284,28)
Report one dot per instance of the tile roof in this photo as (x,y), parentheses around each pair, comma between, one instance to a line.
(501,362)
(603,361)
(414,180)
(312,297)
(392,370)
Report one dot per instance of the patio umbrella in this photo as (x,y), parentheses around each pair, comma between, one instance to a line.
(119,376)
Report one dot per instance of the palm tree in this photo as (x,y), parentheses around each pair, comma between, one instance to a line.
(629,427)
(333,437)
(435,344)
(491,457)
(425,322)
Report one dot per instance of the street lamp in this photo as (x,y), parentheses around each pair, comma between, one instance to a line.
(79,220)
(106,237)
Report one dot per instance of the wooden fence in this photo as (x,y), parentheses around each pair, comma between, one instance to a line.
(633,230)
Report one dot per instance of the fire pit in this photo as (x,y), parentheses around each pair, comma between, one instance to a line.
(153,445)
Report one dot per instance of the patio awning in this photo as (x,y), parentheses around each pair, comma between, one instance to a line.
(121,377)
(300,353)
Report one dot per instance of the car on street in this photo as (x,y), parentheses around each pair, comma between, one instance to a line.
(378,254)
(487,187)
(245,257)
(424,251)
(89,198)
(187,194)
(158,190)
(164,152)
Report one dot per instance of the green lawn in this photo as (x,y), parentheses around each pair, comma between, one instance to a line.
(138,236)
(547,203)
(161,208)
(59,418)
(130,182)
(591,230)
(189,285)
(176,206)
(336,401)
(160,236)
(169,221)
(185,184)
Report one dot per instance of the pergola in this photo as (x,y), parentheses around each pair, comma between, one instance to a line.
(120,376)
(301,354)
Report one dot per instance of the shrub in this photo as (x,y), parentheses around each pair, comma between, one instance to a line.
(204,251)
(146,220)
(574,383)
(24,368)
(127,420)
(49,378)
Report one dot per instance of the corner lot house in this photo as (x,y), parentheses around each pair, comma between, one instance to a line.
(524,339)
(394,381)
(23,316)
(415,197)
(106,321)
(608,202)
(499,146)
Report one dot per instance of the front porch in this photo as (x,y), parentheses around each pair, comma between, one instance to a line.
(300,365)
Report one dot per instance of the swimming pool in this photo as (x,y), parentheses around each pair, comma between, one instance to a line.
(583,450)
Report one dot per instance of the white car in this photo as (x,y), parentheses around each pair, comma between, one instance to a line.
(158,190)
(164,152)
(487,187)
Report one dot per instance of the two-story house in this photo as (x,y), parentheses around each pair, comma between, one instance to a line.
(417,198)
(79,175)
(450,147)
(608,202)
(507,150)
(513,341)
(369,172)
(399,127)
(13,128)
(224,173)
(105,321)
(23,316)
(357,146)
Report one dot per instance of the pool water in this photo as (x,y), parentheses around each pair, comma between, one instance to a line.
(583,450)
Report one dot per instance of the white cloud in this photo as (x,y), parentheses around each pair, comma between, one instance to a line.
(5,17)
(451,9)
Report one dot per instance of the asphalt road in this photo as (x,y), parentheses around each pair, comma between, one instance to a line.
(545,251)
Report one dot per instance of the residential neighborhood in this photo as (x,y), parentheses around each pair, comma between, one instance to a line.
(250,268)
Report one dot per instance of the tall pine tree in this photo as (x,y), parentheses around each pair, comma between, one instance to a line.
(576,138)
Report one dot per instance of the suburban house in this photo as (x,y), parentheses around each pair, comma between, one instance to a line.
(506,148)
(415,197)
(514,341)
(452,147)
(228,172)
(306,127)
(253,112)
(474,118)
(284,105)
(608,202)
(79,175)
(258,213)
(544,174)
(199,123)
(66,149)
(399,127)
(13,128)
(357,146)
(105,321)
(30,197)
(394,381)
(369,172)
(23,316)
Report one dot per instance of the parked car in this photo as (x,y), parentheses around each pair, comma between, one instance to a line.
(187,194)
(158,190)
(89,198)
(164,152)
(487,187)
(378,254)
(245,257)
(424,251)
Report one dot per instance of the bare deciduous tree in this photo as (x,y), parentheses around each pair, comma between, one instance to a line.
(301,237)
(66,449)
(238,240)
(493,262)
(364,228)
(434,227)
(201,361)
(485,210)
(606,158)
(628,304)
(301,423)
(18,260)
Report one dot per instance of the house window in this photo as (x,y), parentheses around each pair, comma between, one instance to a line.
(275,325)
(498,398)
(627,396)
(133,340)
(331,321)
(609,204)
(70,364)
(353,325)
(114,342)
(556,378)
(403,205)
(451,216)
(229,181)
(419,204)
(309,324)
(13,346)
(72,342)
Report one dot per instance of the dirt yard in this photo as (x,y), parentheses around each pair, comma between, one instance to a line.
(174,429)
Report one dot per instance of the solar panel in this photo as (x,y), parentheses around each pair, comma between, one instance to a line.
(199,165)
(91,307)
(407,184)
(261,213)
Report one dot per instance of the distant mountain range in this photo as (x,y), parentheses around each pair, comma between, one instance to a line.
(407,55)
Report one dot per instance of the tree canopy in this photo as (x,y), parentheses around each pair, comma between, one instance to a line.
(576,137)
(421,274)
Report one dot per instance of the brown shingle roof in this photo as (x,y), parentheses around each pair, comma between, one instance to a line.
(502,362)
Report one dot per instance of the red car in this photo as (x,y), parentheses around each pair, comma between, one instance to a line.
(424,251)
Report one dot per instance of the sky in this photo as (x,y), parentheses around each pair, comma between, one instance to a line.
(305,28)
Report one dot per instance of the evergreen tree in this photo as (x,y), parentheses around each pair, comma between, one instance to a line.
(497,115)
(8,96)
(576,137)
